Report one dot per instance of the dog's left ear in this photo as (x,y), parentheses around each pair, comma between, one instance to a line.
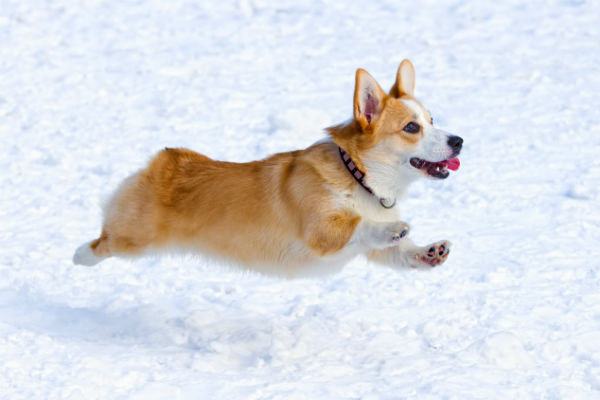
(405,80)
(368,100)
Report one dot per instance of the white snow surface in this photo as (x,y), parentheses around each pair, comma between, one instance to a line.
(90,90)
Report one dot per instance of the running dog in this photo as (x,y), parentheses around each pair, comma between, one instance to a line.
(296,213)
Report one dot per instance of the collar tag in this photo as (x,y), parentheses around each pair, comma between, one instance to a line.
(387,203)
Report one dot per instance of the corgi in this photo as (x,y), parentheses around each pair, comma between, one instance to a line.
(296,213)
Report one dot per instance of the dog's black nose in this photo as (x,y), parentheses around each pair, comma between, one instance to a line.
(455,142)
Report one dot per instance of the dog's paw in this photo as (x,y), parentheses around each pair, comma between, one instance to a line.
(85,256)
(432,255)
(395,231)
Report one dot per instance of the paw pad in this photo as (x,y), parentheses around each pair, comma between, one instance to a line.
(399,232)
(436,254)
(397,236)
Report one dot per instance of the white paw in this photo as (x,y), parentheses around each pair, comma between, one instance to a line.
(392,233)
(84,256)
(432,255)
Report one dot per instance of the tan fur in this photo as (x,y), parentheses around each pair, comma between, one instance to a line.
(289,209)
(249,212)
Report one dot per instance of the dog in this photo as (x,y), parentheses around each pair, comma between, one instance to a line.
(296,213)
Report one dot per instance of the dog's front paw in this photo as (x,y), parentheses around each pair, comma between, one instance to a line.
(433,255)
(395,231)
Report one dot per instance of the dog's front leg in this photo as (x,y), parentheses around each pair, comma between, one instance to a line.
(343,231)
(378,235)
(407,254)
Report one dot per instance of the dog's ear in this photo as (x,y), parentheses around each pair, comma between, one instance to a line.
(368,100)
(405,80)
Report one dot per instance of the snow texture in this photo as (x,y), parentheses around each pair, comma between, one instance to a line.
(90,90)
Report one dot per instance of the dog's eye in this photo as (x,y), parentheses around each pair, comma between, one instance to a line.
(412,127)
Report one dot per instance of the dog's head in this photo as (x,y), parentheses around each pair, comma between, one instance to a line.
(392,135)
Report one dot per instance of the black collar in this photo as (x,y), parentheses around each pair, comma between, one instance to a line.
(359,176)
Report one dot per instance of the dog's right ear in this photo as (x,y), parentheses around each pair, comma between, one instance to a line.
(368,100)
(405,80)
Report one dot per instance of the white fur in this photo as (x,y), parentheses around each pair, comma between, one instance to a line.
(376,235)
(84,256)
(434,145)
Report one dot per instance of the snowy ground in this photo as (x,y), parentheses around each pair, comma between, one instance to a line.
(89,90)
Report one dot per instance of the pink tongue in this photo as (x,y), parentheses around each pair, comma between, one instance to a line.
(452,163)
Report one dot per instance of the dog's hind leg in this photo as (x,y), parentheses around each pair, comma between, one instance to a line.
(407,254)
(130,223)
(84,255)
(110,243)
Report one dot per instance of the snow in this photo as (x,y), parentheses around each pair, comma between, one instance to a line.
(90,90)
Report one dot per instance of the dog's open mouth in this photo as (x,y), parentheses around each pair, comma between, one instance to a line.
(436,169)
